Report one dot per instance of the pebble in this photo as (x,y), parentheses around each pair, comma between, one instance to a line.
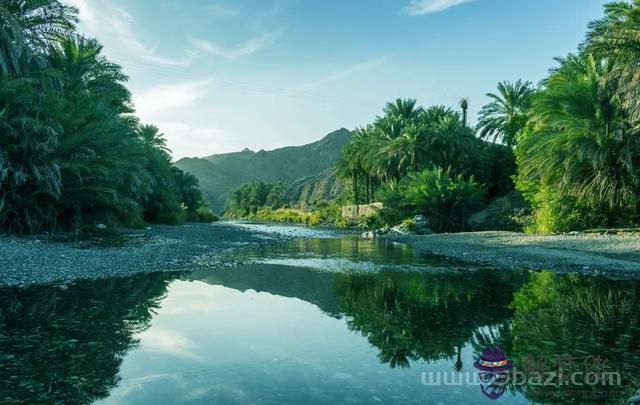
(28,262)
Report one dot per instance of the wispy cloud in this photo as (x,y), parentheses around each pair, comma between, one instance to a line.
(339,75)
(421,7)
(111,23)
(245,48)
(169,342)
(86,11)
(163,98)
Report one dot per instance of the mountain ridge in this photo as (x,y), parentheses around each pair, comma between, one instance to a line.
(220,174)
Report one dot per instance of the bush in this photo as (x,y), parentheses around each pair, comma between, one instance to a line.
(508,213)
(205,214)
(447,200)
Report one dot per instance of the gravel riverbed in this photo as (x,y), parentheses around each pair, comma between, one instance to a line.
(617,255)
(38,260)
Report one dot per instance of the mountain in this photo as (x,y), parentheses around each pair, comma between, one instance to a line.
(306,171)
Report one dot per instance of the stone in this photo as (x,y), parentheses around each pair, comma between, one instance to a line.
(401,230)
(421,222)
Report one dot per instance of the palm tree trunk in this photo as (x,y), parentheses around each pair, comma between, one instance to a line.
(366,187)
(355,187)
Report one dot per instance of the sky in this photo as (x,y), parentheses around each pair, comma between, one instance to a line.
(219,76)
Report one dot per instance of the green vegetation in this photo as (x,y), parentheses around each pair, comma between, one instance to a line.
(265,202)
(249,198)
(72,154)
(306,172)
(425,161)
(447,200)
(575,137)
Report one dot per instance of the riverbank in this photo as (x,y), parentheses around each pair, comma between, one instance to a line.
(39,260)
(583,252)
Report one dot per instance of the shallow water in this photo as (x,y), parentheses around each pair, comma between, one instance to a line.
(337,320)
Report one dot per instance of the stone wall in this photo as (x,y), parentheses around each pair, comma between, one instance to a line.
(360,211)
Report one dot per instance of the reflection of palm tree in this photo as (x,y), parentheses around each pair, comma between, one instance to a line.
(411,316)
(585,317)
(83,332)
(458,364)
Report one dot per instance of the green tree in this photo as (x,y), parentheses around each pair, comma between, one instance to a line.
(616,38)
(28,28)
(247,199)
(446,199)
(579,155)
(506,115)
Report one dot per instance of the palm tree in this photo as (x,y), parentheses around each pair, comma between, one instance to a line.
(28,28)
(464,105)
(506,115)
(579,142)
(397,135)
(616,38)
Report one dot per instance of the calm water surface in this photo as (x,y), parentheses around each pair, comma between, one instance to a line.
(318,321)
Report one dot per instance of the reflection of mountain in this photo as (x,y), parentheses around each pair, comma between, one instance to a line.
(411,316)
(67,346)
(293,282)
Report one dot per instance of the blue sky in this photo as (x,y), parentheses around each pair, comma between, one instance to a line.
(219,76)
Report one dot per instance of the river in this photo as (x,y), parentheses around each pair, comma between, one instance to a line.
(323,319)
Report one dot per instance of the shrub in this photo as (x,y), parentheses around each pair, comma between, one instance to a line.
(508,213)
(447,200)
(205,214)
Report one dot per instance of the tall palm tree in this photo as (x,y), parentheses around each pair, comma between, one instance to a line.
(506,115)
(28,28)
(464,106)
(579,142)
(616,38)
(397,145)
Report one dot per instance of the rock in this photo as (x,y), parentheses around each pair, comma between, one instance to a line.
(101,226)
(368,235)
(401,229)
(376,233)
(421,222)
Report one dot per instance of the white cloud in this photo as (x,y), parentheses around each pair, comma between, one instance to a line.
(168,97)
(421,7)
(245,48)
(186,140)
(122,25)
(87,13)
(169,342)
(339,75)
(116,27)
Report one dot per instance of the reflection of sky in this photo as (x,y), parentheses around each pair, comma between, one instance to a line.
(211,344)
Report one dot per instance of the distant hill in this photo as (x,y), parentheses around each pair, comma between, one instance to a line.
(306,171)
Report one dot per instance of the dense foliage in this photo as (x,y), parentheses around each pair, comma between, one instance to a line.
(250,197)
(408,139)
(422,161)
(446,199)
(72,154)
(575,136)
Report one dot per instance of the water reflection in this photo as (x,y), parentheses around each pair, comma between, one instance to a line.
(274,333)
(66,346)
(411,316)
